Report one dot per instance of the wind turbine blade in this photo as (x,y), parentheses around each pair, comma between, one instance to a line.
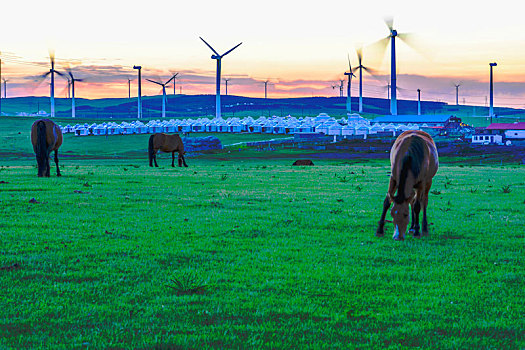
(153,81)
(166,83)
(349,64)
(359,52)
(210,46)
(45,74)
(415,42)
(371,71)
(61,74)
(389,21)
(51,55)
(230,50)
(379,48)
(408,38)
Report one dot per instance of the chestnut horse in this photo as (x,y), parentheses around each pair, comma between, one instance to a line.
(414,162)
(46,137)
(166,143)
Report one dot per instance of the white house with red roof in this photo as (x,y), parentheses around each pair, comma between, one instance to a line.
(508,130)
(500,133)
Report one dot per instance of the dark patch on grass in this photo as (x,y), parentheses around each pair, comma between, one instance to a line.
(15,266)
(15,330)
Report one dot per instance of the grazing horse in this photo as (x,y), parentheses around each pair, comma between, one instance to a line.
(46,137)
(414,162)
(166,143)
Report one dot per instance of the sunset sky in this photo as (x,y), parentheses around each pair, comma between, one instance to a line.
(301,48)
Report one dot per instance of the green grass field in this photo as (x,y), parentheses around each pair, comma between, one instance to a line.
(250,253)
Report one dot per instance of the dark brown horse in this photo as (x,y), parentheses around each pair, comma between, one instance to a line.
(46,137)
(166,143)
(414,162)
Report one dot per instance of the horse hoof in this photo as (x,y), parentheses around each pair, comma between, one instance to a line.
(59,175)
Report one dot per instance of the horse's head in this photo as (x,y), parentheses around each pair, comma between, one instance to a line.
(400,213)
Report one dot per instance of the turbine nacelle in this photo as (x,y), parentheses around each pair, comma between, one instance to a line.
(215,57)
(393,33)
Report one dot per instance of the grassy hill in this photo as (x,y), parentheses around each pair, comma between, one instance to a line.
(194,106)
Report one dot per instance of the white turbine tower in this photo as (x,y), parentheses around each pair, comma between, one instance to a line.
(72,80)
(350,74)
(361,67)
(52,72)
(393,74)
(218,57)
(164,98)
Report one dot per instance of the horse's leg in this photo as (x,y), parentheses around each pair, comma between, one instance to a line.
(415,220)
(48,168)
(182,160)
(386,204)
(173,159)
(155,157)
(424,224)
(56,162)
(413,224)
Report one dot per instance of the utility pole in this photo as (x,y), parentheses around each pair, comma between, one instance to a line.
(418,101)
(491,111)
(139,99)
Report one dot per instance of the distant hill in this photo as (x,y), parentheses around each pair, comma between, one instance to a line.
(194,106)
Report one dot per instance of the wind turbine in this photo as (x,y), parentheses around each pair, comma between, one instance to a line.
(139,99)
(218,57)
(361,67)
(72,79)
(266,89)
(393,79)
(174,83)
(164,98)
(129,88)
(52,72)
(226,80)
(5,87)
(350,74)
(457,93)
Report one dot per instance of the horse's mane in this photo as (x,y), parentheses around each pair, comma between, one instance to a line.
(412,160)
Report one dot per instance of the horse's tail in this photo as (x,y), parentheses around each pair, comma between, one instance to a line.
(405,166)
(41,143)
(150,147)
